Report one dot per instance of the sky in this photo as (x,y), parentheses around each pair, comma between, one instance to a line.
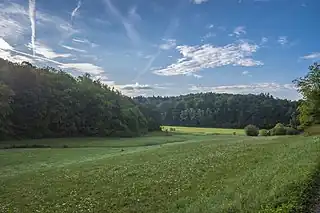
(168,47)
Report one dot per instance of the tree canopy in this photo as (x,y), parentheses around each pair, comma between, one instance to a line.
(45,102)
(309,87)
(224,110)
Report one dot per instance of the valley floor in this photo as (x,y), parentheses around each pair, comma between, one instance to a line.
(159,173)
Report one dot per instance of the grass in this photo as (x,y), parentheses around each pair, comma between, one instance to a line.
(208,131)
(178,173)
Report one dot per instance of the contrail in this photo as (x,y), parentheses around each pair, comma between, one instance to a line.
(32,16)
(74,12)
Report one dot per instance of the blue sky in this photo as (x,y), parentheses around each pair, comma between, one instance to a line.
(166,47)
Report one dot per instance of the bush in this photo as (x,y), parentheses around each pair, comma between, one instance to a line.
(291,131)
(279,129)
(251,130)
(264,132)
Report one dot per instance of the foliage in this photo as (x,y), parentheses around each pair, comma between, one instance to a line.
(279,129)
(223,110)
(264,132)
(127,175)
(45,102)
(313,130)
(251,130)
(309,87)
(291,131)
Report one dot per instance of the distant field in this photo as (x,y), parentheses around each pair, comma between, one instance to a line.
(205,130)
(181,173)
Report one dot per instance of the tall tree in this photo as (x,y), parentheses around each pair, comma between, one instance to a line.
(309,87)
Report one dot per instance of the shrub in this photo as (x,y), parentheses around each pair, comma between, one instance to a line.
(291,131)
(264,132)
(251,130)
(279,129)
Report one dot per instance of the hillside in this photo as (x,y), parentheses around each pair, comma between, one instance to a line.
(45,102)
(223,110)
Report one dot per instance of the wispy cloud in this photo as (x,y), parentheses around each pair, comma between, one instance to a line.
(7,49)
(74,49)
(174,23)
(210,26)
(199,1)
(283,40)
(83,68)
(196,58)
(48,52)
(84,41)
(127,23)
(136,86)
(245,72)
(32,15)
(169,44)
(74,12)
(238,31)
(315,55)
(264,40)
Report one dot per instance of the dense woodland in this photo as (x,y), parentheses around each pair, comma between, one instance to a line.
(224,110)
(309,87)
(45,102)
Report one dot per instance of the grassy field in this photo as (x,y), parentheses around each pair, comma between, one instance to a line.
(192,130)
(179,173)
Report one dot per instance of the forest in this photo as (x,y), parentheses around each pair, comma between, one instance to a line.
(224,110)
(45,102)
(238,111)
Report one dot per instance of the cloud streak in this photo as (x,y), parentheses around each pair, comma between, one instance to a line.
(32,16)
(169,44)
(283,40)
(74,12)
(127,23)
(196,58)
(315,55)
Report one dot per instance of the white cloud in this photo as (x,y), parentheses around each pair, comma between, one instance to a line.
(4,45)
(238,31)
(5,53)
(74,12)
(194,75)
(245,72)
(315,55)
(14,22)
(196,58)
(278,90)
(84,41)
(47,51)
(210,26)
(169,44)
(199,1)
(283,40)
(135,86)
(83,67)
(74,49)
(264,40)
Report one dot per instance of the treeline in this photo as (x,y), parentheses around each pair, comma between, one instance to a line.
(45,102)
(224,110)
(309,87)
